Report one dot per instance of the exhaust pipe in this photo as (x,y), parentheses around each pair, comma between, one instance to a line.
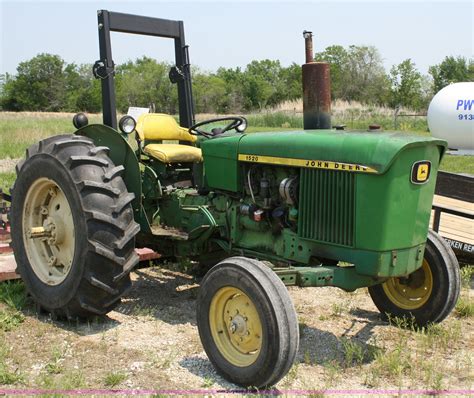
(316,89)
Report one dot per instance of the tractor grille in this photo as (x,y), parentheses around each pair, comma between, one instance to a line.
(327,206)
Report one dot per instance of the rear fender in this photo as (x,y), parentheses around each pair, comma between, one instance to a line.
(121,154)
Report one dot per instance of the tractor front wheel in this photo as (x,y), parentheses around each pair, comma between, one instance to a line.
(73,231)
(247,322)
(427,295)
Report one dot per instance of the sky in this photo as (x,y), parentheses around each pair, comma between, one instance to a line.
(230,34)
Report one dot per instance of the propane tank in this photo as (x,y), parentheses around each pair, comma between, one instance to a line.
(451,116)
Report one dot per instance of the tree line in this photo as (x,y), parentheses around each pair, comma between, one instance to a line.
(47,83)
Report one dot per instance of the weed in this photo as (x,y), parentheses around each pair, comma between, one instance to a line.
(291,375)
(338,309)
(405,323)
(113,379)
(54,368)
(307,358)
(465,308)
(144,311)
(8,377)
(71,380)
(13,294)
(55,365)
(207,382)
(332,371)
(353,352)
(467,273)
(10,319)
(442,337)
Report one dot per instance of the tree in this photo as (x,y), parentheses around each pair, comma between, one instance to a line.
(145,82)
(39,85)
(337,57)
(406,85)
(263,84)
(209,93)
(357,73)
(451,70)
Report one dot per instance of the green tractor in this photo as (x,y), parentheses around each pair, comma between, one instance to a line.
(258,212)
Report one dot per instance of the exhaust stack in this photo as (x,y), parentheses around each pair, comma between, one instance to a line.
(316,89)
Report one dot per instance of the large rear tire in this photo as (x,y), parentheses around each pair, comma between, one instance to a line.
(247,322)
(429,294)
(73,231)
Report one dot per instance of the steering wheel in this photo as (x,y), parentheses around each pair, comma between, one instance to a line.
(238,123)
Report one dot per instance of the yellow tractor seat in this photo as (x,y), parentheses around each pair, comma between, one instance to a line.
(174,153)
(162,127)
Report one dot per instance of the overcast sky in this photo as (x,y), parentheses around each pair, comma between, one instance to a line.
(230,34)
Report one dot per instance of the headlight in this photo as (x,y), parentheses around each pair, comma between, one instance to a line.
(242,126)
(127,124)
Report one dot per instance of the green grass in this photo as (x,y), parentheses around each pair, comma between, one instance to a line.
(113,379)
(356,121)
(7,376)
(20,130)
(465,307)
(7,180)
(458,164)
(13,294)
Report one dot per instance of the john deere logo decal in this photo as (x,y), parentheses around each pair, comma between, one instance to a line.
(420,172)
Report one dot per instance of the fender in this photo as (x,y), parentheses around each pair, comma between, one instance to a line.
(122,154)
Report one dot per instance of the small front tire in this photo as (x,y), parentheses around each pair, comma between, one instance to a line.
(247,322)
(427,295)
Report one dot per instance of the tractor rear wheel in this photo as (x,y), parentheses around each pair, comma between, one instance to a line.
(247,322)
(73,231)
(427,295)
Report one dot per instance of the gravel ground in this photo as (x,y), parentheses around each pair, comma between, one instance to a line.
(151,342)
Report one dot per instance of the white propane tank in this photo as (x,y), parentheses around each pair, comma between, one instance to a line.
(451,116)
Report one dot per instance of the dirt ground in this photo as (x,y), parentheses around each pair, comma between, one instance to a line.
(151,342)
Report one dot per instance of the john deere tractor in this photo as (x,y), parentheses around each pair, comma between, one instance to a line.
(258,212)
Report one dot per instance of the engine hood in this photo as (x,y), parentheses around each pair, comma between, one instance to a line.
(370,152)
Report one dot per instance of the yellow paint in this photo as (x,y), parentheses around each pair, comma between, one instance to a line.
(235,326)
(413,292)
(422,172)
(174,153)
(309,163)
(160,126)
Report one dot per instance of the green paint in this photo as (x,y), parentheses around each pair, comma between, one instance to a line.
(376,221)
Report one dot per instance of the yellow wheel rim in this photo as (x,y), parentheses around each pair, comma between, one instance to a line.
(413,292)
(235,326)
(48,231)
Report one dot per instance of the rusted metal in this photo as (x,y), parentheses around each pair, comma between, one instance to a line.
(374,127)
(146,254)
(308,42)
(316,90)
(316,96)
